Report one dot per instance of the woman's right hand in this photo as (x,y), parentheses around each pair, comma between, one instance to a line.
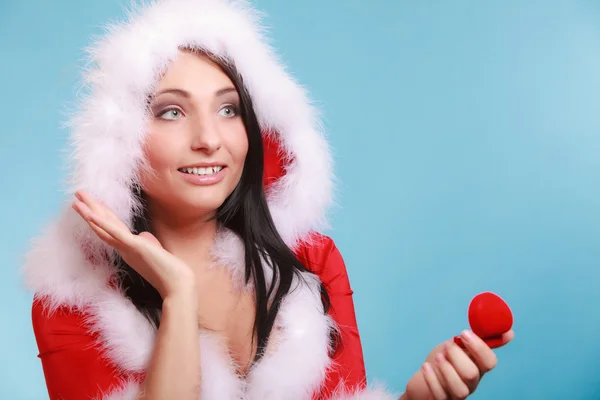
(143,252)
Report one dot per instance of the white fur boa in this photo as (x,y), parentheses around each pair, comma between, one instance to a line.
(64,264)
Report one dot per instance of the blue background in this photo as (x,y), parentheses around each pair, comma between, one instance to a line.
(467,143)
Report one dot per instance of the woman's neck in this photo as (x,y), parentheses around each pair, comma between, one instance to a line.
(188,237)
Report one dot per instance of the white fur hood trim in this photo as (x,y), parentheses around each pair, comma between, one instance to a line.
(108,128)
(65,264)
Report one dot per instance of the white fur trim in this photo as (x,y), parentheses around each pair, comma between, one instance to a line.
(108,129)
(125,66)
(228,251)
(59,265)
(219,381)
(304,336)
(129,391)
(127,337)
(375,392)
(294,366)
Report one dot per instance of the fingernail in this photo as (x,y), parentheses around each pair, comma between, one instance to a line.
(427,367)
(78,195)
(467,335)
(439,358)
(459,342)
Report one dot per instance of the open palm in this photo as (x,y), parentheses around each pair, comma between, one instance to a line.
(143,252)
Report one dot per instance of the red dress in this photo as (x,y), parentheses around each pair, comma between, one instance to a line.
(74,366)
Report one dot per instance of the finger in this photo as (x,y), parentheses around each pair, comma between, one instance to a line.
(118,231)
(464,365)
(85,213)
(103,217)
(499,341)
(99,225)
(493,343)
(108,239)
(150,238)
(87,199)
(482,354)
(434,384)
(82,209)
(97,207)
(508,337)
(454,384)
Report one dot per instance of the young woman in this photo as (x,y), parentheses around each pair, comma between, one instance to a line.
(188,265)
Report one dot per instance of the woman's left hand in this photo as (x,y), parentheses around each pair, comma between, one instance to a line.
(450,372)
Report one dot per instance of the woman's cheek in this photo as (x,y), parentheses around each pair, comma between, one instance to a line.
(160,151)
(159,160)
(241,146)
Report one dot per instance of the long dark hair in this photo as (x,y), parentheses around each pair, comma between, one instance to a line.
(245,212)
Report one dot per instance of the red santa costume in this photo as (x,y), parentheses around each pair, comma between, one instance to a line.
(93,342)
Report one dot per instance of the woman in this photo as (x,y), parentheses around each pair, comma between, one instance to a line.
(189,265)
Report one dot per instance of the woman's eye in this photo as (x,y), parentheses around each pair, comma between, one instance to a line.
(228,111)
(171,114)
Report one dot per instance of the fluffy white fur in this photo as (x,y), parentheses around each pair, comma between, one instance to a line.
(127,391)
(374,393)
(305,337)
(71,267)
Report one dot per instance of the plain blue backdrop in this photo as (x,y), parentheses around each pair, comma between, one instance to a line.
(467,144)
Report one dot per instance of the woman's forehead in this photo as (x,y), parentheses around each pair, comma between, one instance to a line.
(193,72)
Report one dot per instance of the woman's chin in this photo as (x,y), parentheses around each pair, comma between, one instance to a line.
(192,204)
(200,207)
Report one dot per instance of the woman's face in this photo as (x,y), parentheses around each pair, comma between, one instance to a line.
(196,144)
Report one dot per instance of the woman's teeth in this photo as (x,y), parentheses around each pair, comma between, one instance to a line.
(201,171)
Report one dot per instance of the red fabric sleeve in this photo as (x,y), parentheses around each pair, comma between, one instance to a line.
(73,365)
(324,259)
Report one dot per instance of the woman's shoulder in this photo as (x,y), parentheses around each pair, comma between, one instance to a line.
(52,323)
(45,314)
(74,364)
(321,256)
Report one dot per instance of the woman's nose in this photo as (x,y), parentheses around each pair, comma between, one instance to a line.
(206,137)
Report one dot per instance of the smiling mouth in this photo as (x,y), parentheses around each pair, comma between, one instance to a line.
(201,171)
